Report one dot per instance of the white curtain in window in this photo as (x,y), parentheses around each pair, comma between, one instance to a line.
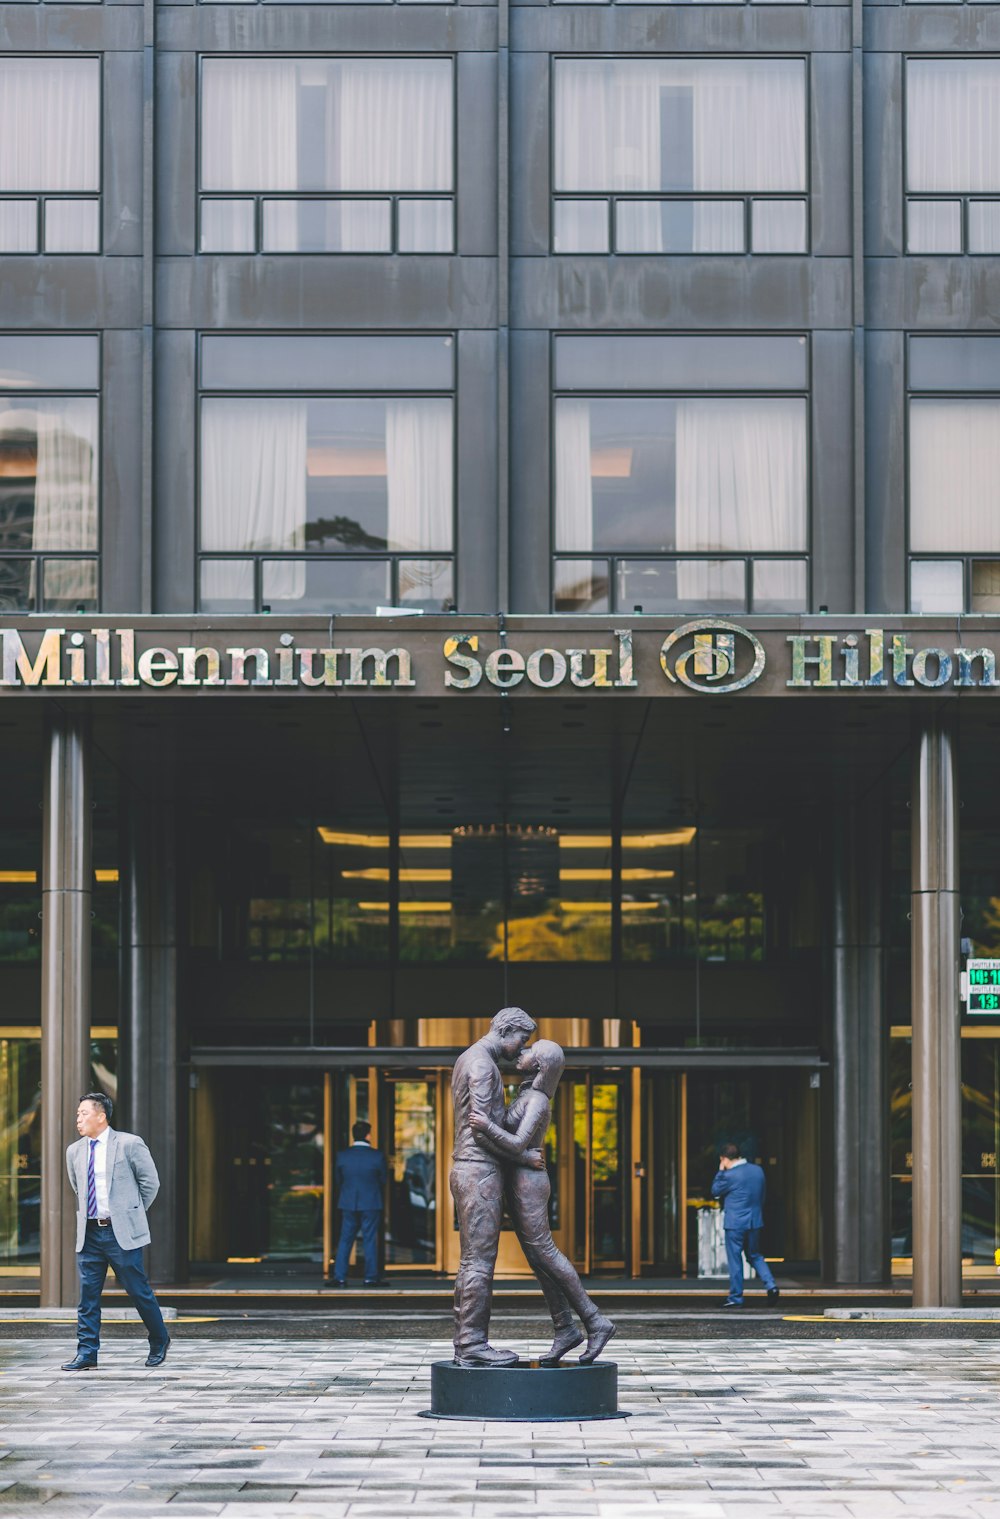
(249,128)
(393,118)
(50,127)
(741,478)
(65,508)
(418,450)
(748,131)
(253,484)
(574,482)
(607,137)
(749,134)
(955,476)
(953,124)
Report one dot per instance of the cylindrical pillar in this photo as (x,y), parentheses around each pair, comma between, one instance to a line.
(148,1062)
(937,1117)
(67,876)
(859,1214)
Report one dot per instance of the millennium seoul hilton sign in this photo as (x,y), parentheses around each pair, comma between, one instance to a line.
(531,655)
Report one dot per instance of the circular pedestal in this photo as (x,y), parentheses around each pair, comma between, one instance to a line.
(541,1394)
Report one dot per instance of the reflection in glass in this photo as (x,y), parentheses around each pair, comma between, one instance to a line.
(17,585)
(69,585)
(985,586)
(679,226)
(352,891)
(682,585)
(779,226)
(326,124)
(482,892)
(48,362)
(426,583)
(424,226)
(685,362)
(411,1222)
(934,226)
(984,226)
(258,1189)
(580,226)
(731,921)
(18,226)
(350,475)
(937,585)
(303,363)
(325,585)
(955,474)
(327,226)
(72,226)
(227,226)
(226,586)
(21,1139)
(581,585)
(779,585)
(701,473)
(951,139)
(50,124)
(48,480)
(678,124)
(658,893)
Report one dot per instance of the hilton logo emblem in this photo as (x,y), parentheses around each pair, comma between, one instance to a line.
(718,652)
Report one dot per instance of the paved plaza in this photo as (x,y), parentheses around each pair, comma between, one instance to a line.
(737,1429)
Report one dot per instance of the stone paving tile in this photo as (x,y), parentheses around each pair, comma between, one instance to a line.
(310,1430)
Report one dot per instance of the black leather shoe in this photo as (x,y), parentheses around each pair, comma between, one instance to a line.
(79,1363)
(158,1355)
(773,1294)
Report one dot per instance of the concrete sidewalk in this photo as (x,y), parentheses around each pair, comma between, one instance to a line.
(309,1429)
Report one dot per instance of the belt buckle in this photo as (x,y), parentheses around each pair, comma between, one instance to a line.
(103,1223)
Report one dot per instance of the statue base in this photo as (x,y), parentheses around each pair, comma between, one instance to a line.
(525,1393)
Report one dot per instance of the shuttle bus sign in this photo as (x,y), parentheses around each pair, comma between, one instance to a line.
(982,988)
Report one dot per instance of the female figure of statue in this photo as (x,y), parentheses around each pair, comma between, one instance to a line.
(524,1127)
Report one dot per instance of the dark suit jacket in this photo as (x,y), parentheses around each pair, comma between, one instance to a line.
(742,1191)
(361,1176)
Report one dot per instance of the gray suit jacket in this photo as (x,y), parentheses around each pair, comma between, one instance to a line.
(132,1186)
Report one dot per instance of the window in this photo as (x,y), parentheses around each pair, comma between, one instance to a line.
(50,155)
(952,155)
(954,474)
(679,502)
(327,155)
(327,502)
(674,155)
(48,474)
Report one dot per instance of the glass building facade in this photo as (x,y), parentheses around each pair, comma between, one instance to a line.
(370,328)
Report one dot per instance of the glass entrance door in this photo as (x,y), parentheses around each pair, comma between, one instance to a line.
(257,1145)
(409,1131)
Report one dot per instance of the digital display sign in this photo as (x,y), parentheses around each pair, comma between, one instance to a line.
(982,988)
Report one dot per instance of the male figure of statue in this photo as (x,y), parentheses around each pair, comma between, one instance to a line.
(477,1183)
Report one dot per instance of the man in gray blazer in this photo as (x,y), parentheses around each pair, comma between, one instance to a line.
(115,1181)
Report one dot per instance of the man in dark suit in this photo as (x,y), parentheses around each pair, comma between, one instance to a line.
(114,1179)
(741,1185)
(361,1178)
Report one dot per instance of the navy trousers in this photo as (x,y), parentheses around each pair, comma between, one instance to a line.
(740,1242)
(363,1221)
(101,1250)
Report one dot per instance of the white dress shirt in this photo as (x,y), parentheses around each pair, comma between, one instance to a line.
(101,1173)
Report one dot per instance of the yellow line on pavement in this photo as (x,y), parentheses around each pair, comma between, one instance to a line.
(819,1318)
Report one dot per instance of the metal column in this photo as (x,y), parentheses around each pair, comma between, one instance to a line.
(860,1153)
(148,1061)
(937,1118)
(67,877)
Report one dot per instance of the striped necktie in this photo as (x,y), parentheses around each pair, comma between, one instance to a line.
(91,1183)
